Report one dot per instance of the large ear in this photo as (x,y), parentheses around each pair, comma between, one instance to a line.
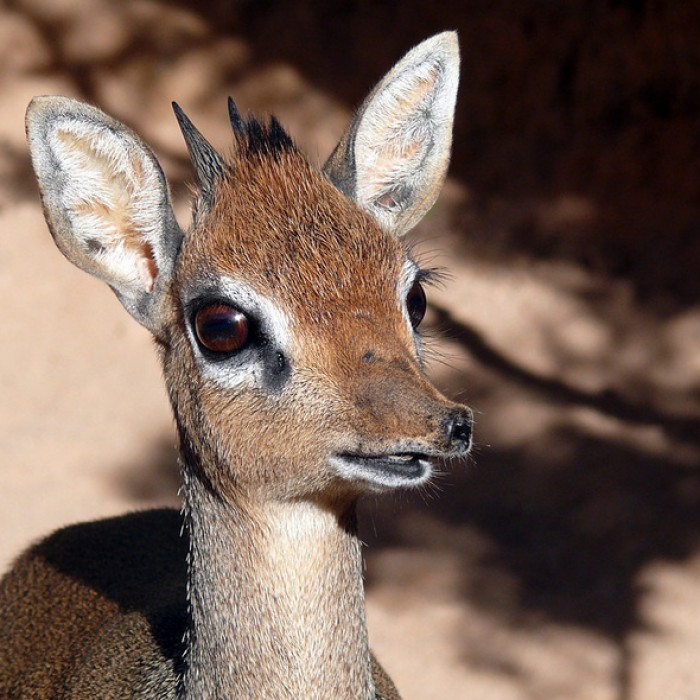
(393,158)
(106,201)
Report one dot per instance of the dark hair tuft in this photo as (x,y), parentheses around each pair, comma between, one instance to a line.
(267,139)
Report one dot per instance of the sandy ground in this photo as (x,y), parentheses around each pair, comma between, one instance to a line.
(563,561)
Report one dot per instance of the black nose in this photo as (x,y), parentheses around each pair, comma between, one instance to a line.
(458,430)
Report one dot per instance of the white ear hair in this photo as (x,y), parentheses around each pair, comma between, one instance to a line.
(393,158)
(106,201)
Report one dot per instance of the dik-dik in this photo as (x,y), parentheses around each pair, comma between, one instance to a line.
(286,320)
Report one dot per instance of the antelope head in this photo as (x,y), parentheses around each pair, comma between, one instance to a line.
(287,316)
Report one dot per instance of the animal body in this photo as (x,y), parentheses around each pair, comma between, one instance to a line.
(285,318)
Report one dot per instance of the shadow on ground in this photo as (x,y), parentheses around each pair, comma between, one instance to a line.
(560,529)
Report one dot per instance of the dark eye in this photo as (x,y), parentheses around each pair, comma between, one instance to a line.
(416,304)
(221,328)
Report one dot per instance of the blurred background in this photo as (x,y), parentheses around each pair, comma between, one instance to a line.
(563,560)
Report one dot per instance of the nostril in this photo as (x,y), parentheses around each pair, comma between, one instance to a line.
(458,430)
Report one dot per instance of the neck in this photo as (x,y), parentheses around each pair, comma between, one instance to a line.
(276,601)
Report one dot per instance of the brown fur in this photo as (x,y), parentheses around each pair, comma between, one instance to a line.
(305,225)
(118,585)
(261,596)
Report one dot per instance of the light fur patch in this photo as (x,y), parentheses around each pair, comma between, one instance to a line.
(404,137)
(112,198)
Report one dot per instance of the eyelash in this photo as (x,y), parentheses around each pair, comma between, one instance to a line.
(431,276)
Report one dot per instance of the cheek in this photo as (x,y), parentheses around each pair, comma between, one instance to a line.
(267,440)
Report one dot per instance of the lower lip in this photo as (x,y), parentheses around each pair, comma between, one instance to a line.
(384,469)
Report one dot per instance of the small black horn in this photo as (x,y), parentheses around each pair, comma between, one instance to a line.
(237,121)
(208,164)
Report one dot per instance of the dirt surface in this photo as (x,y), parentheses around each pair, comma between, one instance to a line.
(563,561)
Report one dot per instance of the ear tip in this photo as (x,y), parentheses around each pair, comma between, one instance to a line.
(37,102)
(449,36)
(54,101)
(43,110)
(445,44)
(41,105)
(35,109)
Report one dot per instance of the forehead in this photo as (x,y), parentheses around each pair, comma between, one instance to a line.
(277,224)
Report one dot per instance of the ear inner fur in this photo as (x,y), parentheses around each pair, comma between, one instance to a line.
(394,156)
(106,202)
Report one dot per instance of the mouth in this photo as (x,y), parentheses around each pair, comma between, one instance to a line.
(385,470)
